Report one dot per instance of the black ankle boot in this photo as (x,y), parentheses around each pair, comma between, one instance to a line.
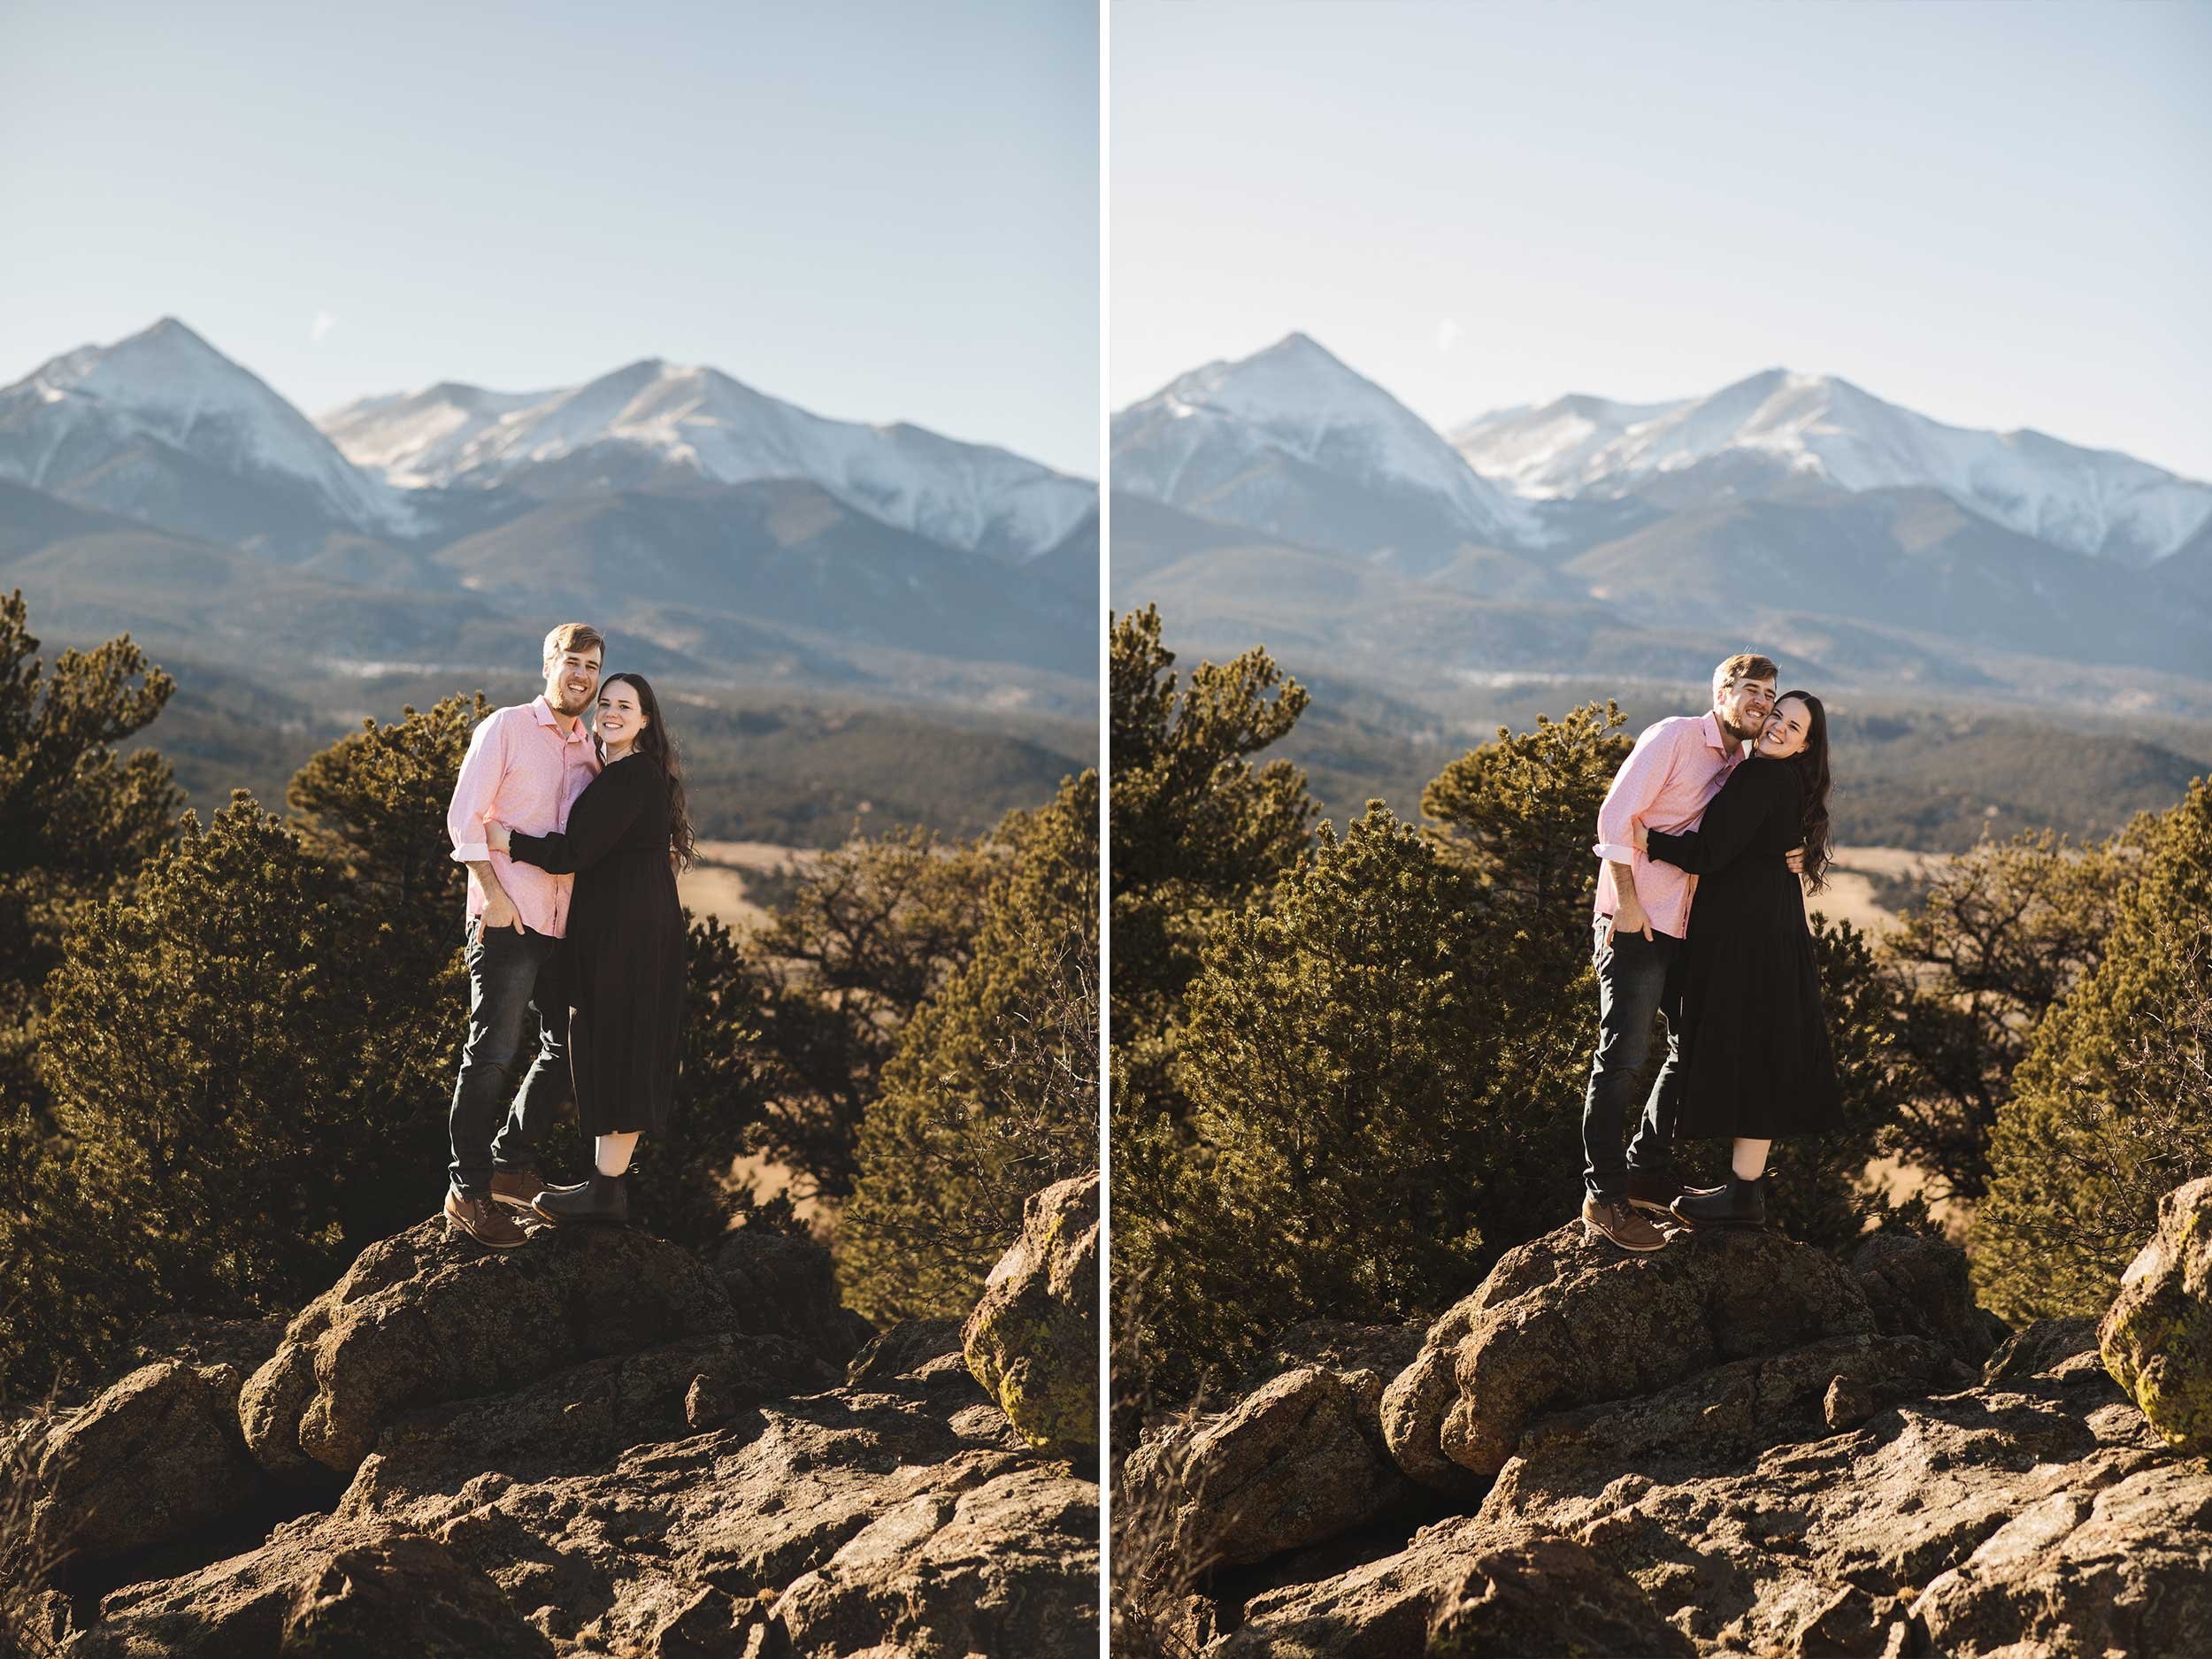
(1740,1203)
(604,1198)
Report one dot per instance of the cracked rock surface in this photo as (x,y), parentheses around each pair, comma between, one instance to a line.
(1858,1474)
(600,1446)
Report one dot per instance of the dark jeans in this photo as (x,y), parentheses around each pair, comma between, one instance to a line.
(512,977)
(1637,978)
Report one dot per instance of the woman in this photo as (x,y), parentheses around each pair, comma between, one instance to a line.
(627,834)
(1755,1046)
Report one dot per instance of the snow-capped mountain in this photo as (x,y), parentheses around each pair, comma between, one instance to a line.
(653,421)
(2094,502)
(1292,441)
(162,417)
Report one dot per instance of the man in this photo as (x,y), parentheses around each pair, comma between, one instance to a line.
(524,768)
(1643,909)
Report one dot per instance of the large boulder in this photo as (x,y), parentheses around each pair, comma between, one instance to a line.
(1918,1286)
(2156,1337)
(1561,1322)
(579,1417)
(1033,1340)
(419,1319)
(785,1286)
(1460,1587)
(154,1458)
(1296,1462)
(1536,1598)
(318,1589)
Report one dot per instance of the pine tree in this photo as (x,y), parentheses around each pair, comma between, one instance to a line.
(1341,1046)
(2003,932)
(74,819)
(1198,832)
(870,931)
(992,1093)
(2112,1107)
(205,1056)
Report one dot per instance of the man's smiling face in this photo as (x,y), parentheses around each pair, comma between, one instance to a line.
(570,679)
(1744,707)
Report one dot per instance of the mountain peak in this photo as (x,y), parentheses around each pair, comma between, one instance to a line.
(168,328)
(164,345)
(167,385)
(1299,352)
(1297,399)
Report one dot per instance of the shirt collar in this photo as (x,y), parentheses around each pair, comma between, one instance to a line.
(543,712)
(1718,739)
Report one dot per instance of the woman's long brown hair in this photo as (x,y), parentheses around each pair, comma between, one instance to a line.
(656,746)
(1812,770)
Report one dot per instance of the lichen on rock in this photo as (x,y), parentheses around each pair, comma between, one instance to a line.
(2156,1337)
(1033,1340)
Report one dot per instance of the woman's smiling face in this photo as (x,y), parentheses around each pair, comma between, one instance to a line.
(1786,730)
(620,723)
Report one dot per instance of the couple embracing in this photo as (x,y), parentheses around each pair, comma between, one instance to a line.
(572,841)
(1711,830)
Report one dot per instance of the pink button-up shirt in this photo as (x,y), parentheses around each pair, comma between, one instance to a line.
(1676,769)
(524,771)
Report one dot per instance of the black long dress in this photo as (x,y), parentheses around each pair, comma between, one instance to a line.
(625,946)
(1756,1052)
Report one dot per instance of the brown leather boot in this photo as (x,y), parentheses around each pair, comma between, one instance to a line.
(484,1221)
(516,1188)
(1620,1223)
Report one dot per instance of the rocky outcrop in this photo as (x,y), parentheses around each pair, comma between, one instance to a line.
(1738,1446)
(2032,1516)
(1561,1323)
(2156,1337)
(783,1286)
(419,1319)
(640,1454)
(154,1458)
(1918,1286)
(1295,1462)
(1033,1340)
(321,1589)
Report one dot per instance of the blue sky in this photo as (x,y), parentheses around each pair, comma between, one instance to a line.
(879,210)
(1996,214)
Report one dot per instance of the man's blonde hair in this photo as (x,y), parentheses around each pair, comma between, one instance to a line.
(1743,665)
(573,636)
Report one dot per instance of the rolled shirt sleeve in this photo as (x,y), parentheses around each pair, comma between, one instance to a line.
(1635,786)
(474,790)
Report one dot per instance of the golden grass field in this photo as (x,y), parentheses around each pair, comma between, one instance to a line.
(715,885)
